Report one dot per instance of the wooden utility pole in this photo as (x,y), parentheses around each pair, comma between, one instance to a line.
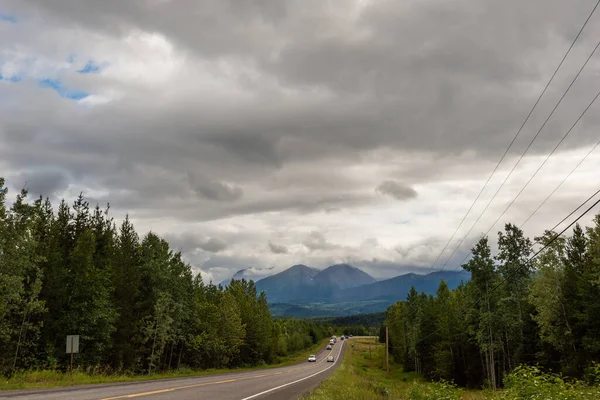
(387,352)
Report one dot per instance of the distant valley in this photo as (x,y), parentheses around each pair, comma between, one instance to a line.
(342,289)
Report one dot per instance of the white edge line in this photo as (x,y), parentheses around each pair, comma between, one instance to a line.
(299,380)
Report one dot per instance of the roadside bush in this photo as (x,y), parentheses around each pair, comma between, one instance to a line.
(439,391)
(531,383)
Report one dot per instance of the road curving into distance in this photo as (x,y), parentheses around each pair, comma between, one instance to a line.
(271,384)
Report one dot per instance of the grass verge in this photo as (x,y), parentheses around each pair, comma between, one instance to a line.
(49,379)
(362,375)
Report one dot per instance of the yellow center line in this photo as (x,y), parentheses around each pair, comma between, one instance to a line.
(128,396)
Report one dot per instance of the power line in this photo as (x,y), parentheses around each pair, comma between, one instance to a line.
(574,211)
(515,138)
(546,199)
(510,275)
(523,155)
(529,181)
(561,183)
(544,162)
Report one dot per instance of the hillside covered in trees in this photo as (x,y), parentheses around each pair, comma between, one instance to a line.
(514,311)
(135,303)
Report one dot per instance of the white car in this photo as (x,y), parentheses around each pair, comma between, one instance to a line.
(330,359)
(312,358)
(329,347)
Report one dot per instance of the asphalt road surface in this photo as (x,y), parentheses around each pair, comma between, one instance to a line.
(283,383)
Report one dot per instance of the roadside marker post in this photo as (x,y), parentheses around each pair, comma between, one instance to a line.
(72,347)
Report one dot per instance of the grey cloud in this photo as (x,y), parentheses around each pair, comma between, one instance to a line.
(224,266)
(42,181)
(396,190)
(213,190)
(250,148)
(213,245)
(316,241)
(409,85)
(277,248)
(172,199)
(188,242)
(320,87)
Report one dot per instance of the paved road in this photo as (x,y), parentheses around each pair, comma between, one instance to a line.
(269,384)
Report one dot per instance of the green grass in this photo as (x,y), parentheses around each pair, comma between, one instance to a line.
(362,375)
(49,379)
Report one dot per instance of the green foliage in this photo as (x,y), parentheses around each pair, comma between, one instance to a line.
(440,391)
(361,320)
(135,304)
(511,313)
(530,382)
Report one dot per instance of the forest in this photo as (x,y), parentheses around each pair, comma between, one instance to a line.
(136,305)
(362,320)
(517,311)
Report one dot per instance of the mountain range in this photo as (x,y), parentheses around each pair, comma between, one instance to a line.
(342,289)
(302,283)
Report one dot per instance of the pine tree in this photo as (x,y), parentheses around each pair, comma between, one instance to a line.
(127,297)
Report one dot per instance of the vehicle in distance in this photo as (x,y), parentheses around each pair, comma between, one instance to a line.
(331,342)
(330,359)
(312,358)
(329,347)
(342,338)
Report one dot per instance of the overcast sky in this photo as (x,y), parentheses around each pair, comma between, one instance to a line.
(269,133)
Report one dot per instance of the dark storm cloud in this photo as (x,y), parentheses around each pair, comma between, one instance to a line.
(396,190)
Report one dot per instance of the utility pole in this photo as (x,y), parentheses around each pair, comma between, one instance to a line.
(387,352)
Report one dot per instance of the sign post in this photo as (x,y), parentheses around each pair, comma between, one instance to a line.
(72,347)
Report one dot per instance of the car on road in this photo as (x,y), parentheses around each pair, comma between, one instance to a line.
(330,359)
(312,358)
(342,338)
(331,342)
(329,347)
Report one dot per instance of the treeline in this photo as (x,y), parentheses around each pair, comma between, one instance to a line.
(512,312)
(364,320)
(135,303)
